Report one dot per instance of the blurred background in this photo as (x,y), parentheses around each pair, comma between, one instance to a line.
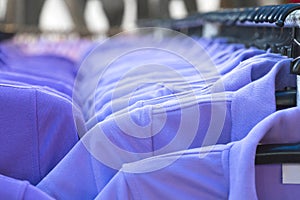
(103,16)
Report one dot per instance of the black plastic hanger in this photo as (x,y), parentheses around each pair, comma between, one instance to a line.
(277,153)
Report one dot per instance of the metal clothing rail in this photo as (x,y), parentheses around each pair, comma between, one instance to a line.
(277,14)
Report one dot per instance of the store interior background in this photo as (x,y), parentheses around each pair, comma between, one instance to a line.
(96,19)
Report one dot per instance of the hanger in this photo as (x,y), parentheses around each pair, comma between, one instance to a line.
(277,153)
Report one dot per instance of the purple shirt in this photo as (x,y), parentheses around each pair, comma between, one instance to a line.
(223,172)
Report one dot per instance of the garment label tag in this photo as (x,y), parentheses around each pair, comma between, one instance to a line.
(291,173)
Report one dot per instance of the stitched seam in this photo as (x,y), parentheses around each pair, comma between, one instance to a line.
(23,187)
(228,168)
(132,192)
(93,171)
(38,135)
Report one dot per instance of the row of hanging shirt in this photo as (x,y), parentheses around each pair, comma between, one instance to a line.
(159,116)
